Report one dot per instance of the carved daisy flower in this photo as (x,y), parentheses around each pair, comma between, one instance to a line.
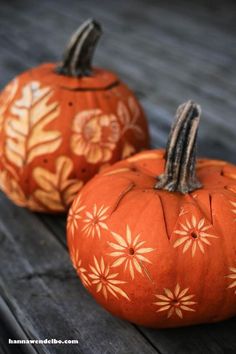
(175,301)
(77,264)
(193,235)
(232,276)
(74,215)
(95,221)
(105,281)
(129,251)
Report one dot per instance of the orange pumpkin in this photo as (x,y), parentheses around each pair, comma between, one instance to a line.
(60,124)
(160,254)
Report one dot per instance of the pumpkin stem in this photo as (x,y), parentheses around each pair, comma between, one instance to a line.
(180,174)
(77,59)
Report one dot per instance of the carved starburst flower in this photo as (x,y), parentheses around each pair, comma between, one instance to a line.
(106,281)
(81,271)
(233,277)
(129,251)
(74,215)
(175,302)
(234,208)
(193,235)
(95,221)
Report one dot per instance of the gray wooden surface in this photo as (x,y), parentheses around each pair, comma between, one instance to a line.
(167,53)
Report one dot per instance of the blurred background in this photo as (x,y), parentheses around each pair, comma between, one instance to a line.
(167,52)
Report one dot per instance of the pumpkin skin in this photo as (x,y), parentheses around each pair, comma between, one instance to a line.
(153,257)
(57,131)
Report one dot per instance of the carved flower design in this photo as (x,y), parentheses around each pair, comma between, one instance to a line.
(77,264)
(95,135)
(106,281)
(74,215)
(193,235)
(233,277)
(175,302)
(129,251)
(234,207)
(95,221)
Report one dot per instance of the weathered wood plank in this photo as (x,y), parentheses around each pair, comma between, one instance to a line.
(216,338)
(11,328)
(4,335)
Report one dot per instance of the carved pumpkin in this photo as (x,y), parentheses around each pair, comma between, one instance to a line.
(60,124)
(160,254)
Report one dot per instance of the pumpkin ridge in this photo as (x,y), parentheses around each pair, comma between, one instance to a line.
(210,205)
(121,196)
(201,210)
(163,213)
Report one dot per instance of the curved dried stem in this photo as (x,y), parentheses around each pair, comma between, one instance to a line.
(180,174)
(77,59)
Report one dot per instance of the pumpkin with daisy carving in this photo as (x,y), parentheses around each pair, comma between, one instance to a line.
(153,238)
(60,124)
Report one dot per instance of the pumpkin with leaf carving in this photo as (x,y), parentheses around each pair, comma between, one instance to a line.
(60,124)
(153,238)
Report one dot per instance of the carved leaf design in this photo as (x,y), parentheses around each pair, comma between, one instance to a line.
(128,116)
(56,191)
(27,136)
(127,150)
(5,98)
(123,113)
(10,186)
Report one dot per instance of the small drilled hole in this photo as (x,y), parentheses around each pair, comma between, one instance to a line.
(175,302)
(194,234)
(131,251)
